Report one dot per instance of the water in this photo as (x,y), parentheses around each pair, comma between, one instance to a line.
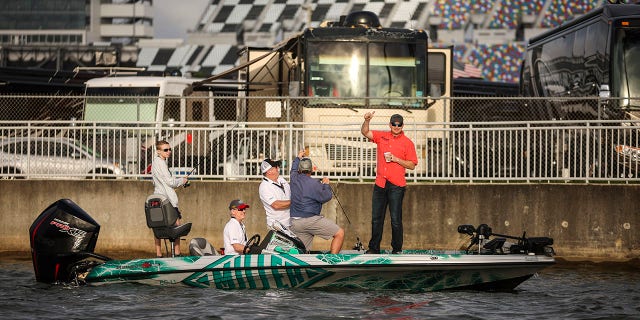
(565,291)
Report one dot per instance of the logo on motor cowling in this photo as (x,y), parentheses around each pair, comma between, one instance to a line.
(76,233)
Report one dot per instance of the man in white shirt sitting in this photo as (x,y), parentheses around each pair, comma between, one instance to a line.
(235,236)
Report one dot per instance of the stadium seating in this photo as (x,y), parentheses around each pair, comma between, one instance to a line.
(481,31)
(560,11)
(498,62)
(509,11)
(454,13)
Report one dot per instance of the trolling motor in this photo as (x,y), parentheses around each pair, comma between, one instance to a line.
(480,237)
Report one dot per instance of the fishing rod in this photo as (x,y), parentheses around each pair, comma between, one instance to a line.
(188,183)
(359,246)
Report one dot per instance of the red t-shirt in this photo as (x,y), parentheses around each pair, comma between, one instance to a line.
(401,147)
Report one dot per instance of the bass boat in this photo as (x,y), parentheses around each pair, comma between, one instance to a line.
(63,238)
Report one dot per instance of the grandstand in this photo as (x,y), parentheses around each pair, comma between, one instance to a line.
(489,34)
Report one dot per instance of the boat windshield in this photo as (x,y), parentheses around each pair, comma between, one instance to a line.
(388,73)
(627,65)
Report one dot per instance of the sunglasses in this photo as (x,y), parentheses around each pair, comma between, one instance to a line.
(397,124)
(166,150)
(241,210)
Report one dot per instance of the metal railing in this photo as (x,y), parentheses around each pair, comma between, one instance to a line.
(514,152)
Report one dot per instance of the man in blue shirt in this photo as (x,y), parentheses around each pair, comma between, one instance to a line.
(307,197)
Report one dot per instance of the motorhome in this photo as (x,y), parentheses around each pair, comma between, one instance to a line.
(572,66)
(328,77)
(139,110)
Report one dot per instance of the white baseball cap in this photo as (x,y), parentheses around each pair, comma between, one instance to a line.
(268,164)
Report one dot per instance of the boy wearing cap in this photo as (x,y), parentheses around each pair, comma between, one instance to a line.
(307,197)
(234,235)
(275,194)
(396,153)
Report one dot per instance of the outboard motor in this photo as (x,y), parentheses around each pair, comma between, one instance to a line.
(61,236)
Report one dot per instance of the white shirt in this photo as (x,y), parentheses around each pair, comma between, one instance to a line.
(233,233)
(271,191)
(163,182)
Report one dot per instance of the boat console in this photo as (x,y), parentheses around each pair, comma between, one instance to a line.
(278,240)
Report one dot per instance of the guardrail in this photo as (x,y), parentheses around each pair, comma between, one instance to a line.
(513,152)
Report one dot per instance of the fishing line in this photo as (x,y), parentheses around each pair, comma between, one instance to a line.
(358,245)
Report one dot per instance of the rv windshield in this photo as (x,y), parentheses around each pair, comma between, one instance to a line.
(388,73)
(121,104)
(627,65)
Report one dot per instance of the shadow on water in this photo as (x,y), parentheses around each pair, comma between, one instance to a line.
(576,290)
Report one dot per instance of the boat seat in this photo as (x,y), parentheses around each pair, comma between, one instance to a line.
(161,218)
(495,245)
(201,247)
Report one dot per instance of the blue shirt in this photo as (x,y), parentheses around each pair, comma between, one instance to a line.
(307,194)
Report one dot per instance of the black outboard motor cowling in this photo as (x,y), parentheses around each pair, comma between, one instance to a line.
(62,235)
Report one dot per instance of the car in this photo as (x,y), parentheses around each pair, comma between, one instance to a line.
(53,157)
(224,152)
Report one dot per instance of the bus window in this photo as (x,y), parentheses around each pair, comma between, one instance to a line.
(595,57)
(337,69)
(436,74)
(341,70)
(107,104)
(625,55)
(393,70)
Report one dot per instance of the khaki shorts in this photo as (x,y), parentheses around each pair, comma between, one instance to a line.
(306,228)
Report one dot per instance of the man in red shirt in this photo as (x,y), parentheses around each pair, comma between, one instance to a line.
(396,153)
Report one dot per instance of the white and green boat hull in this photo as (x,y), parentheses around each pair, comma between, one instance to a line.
(416,270)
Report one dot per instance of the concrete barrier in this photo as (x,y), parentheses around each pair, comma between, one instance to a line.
(587,222)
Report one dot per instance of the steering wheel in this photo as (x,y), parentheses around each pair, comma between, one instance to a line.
(253,241)
(392,93)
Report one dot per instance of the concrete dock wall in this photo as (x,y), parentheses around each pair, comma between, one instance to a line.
(587,222)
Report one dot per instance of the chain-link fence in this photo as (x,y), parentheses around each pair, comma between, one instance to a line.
(225,106)
(467,139)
